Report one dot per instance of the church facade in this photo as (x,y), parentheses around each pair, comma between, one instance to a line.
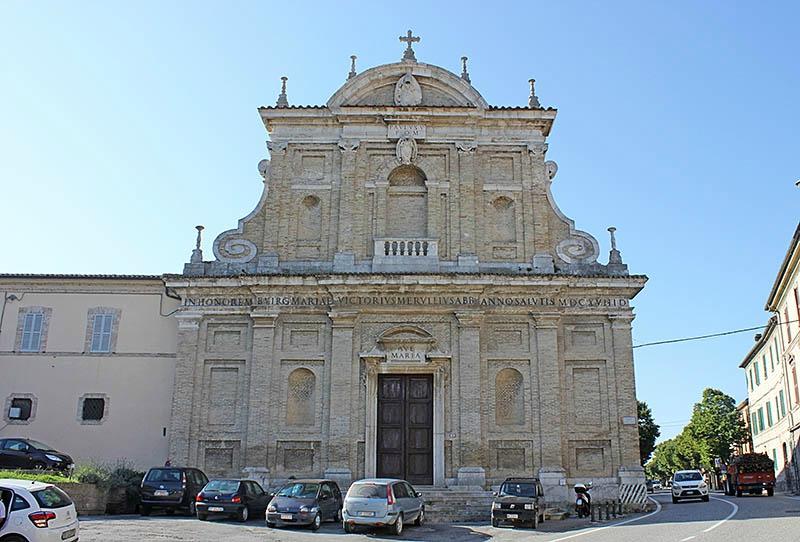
(407,300)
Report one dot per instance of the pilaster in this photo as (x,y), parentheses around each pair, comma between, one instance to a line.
(467,193)
(472,456)
(184,386)
(626,389)
(549,365)
(344,375)
(259,400)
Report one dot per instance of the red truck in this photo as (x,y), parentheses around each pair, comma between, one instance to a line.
(750,473)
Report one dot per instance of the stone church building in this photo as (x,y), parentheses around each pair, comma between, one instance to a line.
(407,300)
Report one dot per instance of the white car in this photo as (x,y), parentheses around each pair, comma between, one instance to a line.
(689,484)
(37,512)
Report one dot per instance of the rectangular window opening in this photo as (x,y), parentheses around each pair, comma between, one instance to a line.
(93,409)
(20,409)
(101,332)
(32,332)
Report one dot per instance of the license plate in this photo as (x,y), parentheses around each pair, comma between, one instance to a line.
(286,516)
(67,534)
(512,516)
(215,509)
(366,514)
(161,493)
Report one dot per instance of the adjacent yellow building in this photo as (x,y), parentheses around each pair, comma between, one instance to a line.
(88,364)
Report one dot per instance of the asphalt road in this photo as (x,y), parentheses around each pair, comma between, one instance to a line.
(723,519)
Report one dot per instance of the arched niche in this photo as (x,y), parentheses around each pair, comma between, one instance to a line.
(407,206)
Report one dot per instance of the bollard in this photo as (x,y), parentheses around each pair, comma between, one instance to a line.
(613,510)
(592,514)
(619,507)
(608,510)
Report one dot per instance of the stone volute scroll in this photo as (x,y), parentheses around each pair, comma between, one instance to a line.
(407,91)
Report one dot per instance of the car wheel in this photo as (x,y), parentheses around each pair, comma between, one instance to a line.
(317,523)
(738,492)
(14,538)
(169,511)
(674,500)
(535,522)
(338,516)
(705,498)
(244,515)
(397,528)
(39,466)
(201,516)
(420,518)
(770,492)
(495,522)
(270,525)
(347,527)
(192,508)
(144,510)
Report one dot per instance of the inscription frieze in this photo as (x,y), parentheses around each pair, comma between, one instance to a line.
(406,300)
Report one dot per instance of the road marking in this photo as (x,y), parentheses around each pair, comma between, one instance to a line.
(687,538)
(596,529)
(733,513)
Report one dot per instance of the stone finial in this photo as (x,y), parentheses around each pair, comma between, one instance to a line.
(352,67)
(464,72)
(197,253)
(533,101)
(283,101)
(614,257)
(408,54)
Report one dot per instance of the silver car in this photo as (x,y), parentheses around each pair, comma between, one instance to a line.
(382,502)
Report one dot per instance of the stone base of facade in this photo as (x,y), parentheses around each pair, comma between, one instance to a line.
(258,474)
(472,476)
(341,476)
(554,483)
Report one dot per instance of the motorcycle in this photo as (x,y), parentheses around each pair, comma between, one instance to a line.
(583,501)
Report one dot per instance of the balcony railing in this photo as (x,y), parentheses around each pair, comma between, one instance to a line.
(406,248)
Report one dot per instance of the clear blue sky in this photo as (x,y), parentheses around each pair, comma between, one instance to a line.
(122,125)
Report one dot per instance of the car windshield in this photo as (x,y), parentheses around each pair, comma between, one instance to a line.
(299,491)
(688,476)
(51,497)
(515,489)
(222,486)
(163,475)
(39,445)
(367,491)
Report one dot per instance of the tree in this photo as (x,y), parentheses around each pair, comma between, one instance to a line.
(716,425)
(649,431)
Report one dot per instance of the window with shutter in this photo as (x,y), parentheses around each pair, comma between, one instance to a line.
(32,332)
(782,401)
(101,332)
(20,409)
(93,409)
(788,325)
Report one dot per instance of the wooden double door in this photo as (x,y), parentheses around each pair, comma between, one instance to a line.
(405,428)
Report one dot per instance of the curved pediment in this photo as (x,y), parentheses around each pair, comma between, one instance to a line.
(404,335)
(401,84)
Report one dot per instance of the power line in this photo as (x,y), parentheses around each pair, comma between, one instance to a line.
(711,335)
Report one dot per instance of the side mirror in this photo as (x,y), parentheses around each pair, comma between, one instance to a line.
(419,494)
(494,493)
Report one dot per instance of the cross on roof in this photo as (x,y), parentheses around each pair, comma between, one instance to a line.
(408,54)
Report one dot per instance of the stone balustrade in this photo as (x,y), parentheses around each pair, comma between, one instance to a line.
(392,247)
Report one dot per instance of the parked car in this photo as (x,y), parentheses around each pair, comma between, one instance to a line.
(305,502)
(656,485)
(240,499)
(689,484)
(650,484)
(171,489)
(382,502)
(23,453)
(37,512)
(518,501)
